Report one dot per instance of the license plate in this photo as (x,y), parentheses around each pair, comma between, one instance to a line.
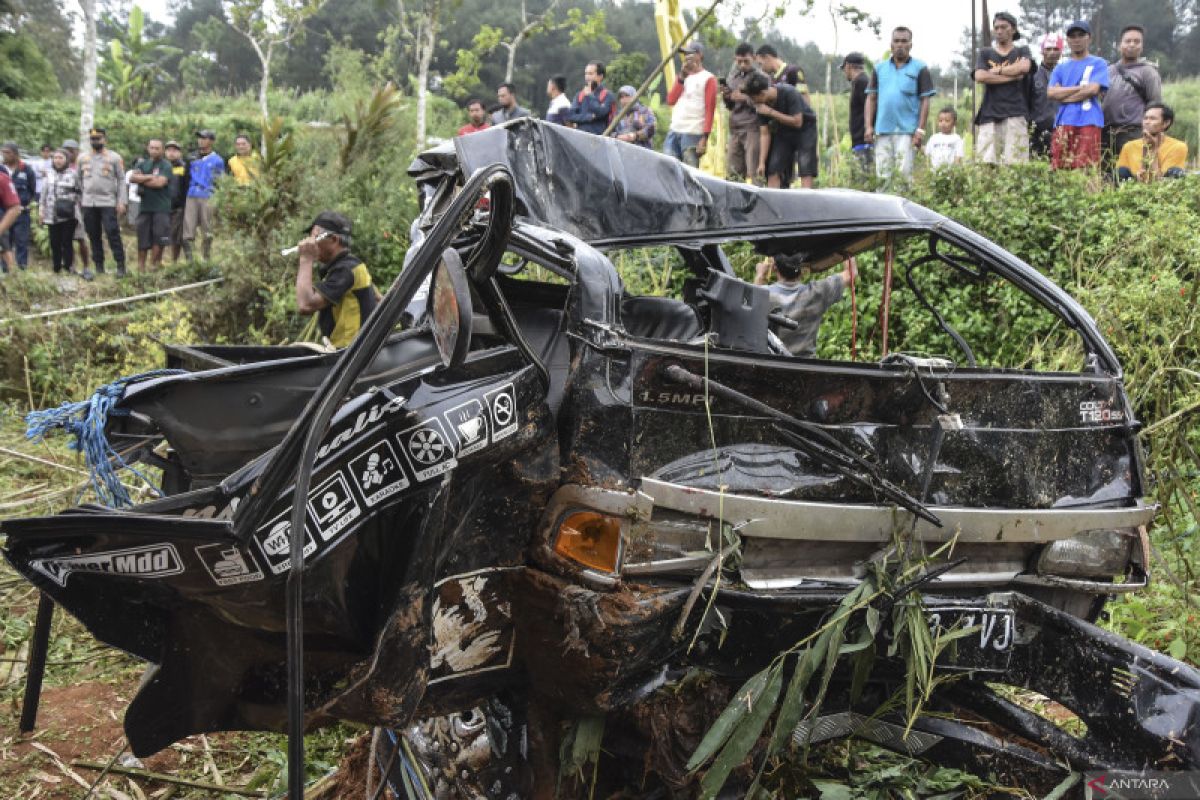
(989,647)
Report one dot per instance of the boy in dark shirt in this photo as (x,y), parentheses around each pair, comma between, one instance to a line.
(787,132)
(152,174)
(1002,136)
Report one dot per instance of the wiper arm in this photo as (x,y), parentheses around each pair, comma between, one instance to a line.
(812,440)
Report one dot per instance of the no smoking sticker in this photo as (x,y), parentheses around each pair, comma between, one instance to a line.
(332,505)
(502,405)
(428,450)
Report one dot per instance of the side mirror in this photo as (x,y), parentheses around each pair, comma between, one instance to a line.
(450,310)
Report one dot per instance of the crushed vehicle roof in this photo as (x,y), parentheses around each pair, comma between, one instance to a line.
(617,194)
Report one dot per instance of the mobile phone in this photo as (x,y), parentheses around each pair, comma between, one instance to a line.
(721,82)
(594,86)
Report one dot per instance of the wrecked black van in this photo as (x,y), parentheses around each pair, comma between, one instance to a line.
(493,509)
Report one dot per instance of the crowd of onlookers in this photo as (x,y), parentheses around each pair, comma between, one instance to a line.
(82,196)
(1071,107)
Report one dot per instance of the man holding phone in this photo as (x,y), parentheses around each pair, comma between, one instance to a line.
(593,106)
(694,98)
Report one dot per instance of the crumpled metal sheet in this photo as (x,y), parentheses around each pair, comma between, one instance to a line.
(615,192)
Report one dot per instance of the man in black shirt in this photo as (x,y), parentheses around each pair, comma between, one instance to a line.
(178,187)
(1044,109)
(1002,135)
(854,68)
(787,131)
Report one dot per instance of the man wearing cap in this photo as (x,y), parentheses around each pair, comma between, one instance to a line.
(638,124)
(694,100)
(204,169)
(71,147)
(1002,122)
(506,96)
(1077,85)
(344,296)
(152,175)
(897,107)
(741,152)
(1133,84)
(102,189)
(1045,109)
(854,67)
(787,132)
(24,180)
(178,187)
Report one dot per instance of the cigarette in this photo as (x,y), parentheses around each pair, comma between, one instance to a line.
(291,251)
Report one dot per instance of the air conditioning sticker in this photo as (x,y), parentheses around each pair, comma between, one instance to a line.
(274,540)
(149,561)
(502,405)
(228,565)
(428,451)
(470,424)
(378,473)
(333,506)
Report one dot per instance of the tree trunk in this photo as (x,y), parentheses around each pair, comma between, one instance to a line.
(512,57)
(87,93)
(426,42)
(265,59)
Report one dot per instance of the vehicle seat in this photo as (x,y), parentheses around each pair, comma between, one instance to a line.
(660,318)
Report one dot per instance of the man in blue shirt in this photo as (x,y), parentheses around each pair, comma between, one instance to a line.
(897,107)
(593,106)
(206,166)
(1078,84)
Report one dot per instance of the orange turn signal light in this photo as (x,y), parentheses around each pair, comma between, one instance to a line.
(590,539)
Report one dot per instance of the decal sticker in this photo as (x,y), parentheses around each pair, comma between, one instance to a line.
(470,424)
(378,473)
(274,539)
(427,449)
(149,561)
(333,506)
(364,418)
(502,403)
(227,565)
(472,627)
(1092,411)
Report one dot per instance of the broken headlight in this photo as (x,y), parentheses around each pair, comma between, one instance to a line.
(1090,554)
(670,543)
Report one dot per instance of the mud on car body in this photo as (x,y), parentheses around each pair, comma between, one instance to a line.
(508,503)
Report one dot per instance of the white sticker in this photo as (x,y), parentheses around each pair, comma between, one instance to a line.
(227,565)
(472,627)
(470,423)
(428,451)
(274,539)
(502,404)
(378,473)
(333,506)
(149,561)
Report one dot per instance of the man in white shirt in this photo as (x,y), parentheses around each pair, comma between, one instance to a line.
(694,100)
(560,104)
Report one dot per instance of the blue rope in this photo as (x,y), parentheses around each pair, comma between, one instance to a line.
(85,420)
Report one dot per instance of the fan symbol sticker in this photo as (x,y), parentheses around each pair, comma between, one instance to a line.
(503,405)
(378,473)
(470,424)
(427,449)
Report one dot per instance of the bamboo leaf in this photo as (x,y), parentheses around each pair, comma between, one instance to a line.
(743,737)
(739,706)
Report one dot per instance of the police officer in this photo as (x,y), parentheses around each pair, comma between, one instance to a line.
(102,186)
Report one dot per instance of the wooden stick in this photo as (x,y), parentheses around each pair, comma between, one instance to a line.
(39,460)
(117,302)
(158,776)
